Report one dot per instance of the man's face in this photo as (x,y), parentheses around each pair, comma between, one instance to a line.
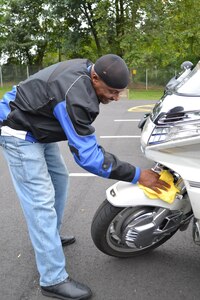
(105,93)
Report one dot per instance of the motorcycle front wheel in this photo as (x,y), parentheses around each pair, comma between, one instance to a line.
(128,231)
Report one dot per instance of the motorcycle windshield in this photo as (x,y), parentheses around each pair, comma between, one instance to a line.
(188,86)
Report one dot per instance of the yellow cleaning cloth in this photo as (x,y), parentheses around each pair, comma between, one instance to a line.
(168,195)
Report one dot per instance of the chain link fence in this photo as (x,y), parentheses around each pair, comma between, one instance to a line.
(13,74)
(141,78)
(151,78)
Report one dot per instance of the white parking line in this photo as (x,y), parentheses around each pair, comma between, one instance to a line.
(108,137)
(128,120)
(119,136)
(81,175)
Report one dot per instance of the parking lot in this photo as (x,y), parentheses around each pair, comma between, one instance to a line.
(170,272)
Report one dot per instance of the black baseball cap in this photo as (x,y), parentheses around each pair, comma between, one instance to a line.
(113,70)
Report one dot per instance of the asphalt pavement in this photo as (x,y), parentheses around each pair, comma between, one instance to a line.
(170,272)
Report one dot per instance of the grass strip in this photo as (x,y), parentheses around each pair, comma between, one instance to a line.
(133,93)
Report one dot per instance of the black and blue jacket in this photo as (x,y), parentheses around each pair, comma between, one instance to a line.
(59,103)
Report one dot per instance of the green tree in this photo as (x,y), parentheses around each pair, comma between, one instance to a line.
(185,29)
(3,28)
(167,34)
(101,23)
(28,30)
(146,33)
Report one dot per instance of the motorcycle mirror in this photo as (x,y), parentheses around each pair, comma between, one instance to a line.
(143,121)
(186,65)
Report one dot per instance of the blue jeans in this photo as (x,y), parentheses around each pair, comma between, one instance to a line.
(40,179)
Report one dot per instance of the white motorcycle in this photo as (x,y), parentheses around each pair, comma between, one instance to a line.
(128,223)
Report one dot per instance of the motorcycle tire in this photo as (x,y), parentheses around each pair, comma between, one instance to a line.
(111,224)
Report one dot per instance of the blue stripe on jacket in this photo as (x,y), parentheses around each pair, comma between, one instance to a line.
(4,103)
(5,110)
(87,153)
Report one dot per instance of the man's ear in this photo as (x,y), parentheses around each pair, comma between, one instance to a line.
(95,78)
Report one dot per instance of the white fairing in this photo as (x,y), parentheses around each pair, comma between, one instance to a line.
(171,137)
(123,194)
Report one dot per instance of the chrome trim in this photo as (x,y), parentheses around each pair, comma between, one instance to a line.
(194,184)
(196,231)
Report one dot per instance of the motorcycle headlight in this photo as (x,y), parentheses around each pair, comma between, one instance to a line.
(183,131)
(159,135)
(171,128)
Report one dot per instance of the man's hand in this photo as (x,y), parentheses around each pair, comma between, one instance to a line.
(151,180)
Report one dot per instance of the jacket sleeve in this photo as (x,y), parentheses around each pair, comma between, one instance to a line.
(91,156)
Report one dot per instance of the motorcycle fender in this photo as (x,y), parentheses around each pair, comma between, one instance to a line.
(124,194)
